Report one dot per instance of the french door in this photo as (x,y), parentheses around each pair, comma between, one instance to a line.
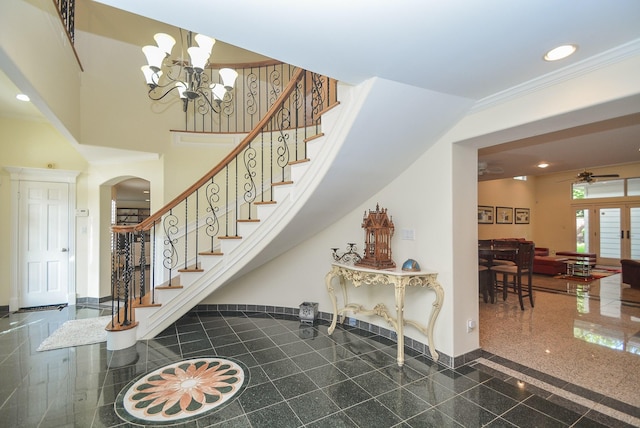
(612,231)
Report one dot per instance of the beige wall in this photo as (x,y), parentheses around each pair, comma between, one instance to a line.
(555,225)
(552,209)
(508,193)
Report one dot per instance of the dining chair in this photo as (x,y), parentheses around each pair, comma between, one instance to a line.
(507,259)
(484,283)
(484,243)
(523,266)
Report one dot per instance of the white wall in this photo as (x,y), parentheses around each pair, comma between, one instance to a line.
(298,275)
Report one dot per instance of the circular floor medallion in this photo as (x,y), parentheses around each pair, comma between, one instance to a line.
(180,391)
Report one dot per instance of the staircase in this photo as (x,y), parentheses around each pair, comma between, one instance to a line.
(215,246)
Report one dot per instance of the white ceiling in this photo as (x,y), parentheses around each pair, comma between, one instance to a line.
(474,50)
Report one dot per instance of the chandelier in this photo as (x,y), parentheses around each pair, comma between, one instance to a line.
(164,74)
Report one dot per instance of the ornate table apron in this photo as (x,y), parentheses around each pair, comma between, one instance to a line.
(400,280)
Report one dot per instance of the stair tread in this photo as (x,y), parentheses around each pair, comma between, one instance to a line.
(299,161)
(211,253)
(313,137)
(117,327)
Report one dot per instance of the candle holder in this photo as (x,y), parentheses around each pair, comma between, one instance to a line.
(350,257)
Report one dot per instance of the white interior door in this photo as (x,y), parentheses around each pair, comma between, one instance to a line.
(43,236)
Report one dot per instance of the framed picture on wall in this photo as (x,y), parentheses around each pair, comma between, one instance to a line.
(485,214)
(522,215)
(504,215)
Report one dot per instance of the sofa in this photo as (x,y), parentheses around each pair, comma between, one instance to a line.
(545,264)
(631,273)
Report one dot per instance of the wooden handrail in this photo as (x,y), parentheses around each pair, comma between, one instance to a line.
(148,222)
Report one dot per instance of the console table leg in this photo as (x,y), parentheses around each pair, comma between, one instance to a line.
(400,321)
(328,281)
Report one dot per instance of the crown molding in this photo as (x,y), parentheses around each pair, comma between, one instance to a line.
(581,68)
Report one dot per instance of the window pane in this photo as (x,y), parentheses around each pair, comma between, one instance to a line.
(598,189)
(633,187)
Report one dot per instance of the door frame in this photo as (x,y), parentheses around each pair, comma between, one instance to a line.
(19,174)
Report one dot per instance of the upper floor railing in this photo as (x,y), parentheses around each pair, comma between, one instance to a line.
(172,240)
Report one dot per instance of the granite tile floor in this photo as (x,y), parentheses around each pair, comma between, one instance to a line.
(298,377)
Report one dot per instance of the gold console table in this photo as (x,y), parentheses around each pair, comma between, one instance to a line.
(400,280)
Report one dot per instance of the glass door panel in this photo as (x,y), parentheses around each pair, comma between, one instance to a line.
(610,230)
(633,233)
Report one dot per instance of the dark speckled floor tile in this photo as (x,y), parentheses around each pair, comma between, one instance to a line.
(296,376)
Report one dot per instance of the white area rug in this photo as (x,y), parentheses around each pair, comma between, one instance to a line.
(77,332)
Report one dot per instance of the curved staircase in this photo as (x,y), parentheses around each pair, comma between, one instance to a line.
(144,316)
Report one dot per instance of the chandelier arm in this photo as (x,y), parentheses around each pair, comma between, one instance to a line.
(152,90)
(204,95)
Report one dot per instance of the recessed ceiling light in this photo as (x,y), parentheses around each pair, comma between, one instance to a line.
(543,165)
(560,52)
(23,97)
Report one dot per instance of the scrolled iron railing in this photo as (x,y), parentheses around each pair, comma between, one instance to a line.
(174,239)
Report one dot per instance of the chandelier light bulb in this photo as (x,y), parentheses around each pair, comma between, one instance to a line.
(205,42)
(165,42)
(181,89)
(199,57)
(228,77)
(218,91)
(155,56)
(150,76)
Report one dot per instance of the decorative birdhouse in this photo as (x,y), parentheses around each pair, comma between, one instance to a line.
(378,230)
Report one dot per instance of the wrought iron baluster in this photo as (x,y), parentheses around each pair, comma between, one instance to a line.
(186,231)
(250,174)
(143,265)
(170,260)
(197,228)
(213,197)
(153,264)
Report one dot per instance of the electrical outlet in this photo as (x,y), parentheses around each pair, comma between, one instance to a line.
(408,234)
(471,325)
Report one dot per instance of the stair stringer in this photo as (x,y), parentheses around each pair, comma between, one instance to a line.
(290,199)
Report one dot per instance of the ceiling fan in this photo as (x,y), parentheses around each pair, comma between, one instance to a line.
(589,177)
(483,168)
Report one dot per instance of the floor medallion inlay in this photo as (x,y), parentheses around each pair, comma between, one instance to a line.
(181,391)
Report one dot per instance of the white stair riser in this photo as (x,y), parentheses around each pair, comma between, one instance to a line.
(264,211)
(165,295)
(247,228)
(281,192)
(228,245)
(298,170)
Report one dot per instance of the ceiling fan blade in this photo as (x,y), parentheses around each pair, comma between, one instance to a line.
(605,175)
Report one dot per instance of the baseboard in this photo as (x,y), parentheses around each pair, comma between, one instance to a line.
(92,300)
(412,346)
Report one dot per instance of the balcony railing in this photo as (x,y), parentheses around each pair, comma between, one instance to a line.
(151,254)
